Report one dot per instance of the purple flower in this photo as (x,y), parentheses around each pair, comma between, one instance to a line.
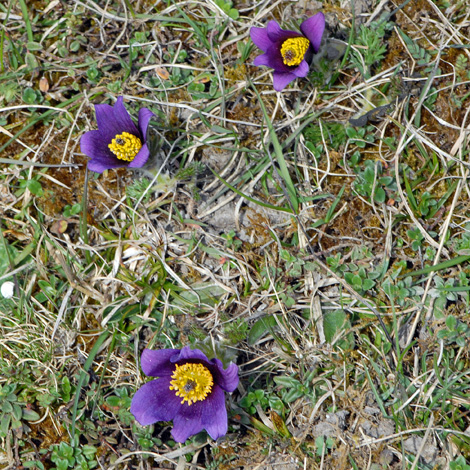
(118,141)
(287,52)
(189,390)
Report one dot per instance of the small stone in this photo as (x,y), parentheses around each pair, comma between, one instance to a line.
(8,289)
(386,457)
(429,453)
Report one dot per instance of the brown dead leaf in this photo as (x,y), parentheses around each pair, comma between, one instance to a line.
(44,84)
(162,73)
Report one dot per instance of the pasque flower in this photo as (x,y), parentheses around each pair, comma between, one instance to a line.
(189,390)
(118,141)
(287,52)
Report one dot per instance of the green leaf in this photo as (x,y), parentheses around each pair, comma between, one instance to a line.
(5,424)
(34,46)
(30,415)
(17,412)
(368,284)
(261,327)
(29,96)
(292,395)
(333,324)
(34,464)
(75,46)
(62,464)
(35,187)
(287,381)
(234,14)
(31,61)
(89,451)
(7,407)
(113,401)
(379,195)
(451,322)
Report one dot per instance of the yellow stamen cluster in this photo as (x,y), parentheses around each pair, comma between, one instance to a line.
(125,146)
(293,50)
(192,382)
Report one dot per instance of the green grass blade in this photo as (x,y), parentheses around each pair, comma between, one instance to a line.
(292,192)
(82,378)
(24,11)
(437,267)
(259,203)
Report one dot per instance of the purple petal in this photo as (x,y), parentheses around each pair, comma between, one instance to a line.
(114,120)
(188,353)
(141,158)
(157,363)
(301,70)
(277,62)
(260,37)
(274,31)
(313,29)
(93,145)
(225,378)
(281,80)
(262,59)
(188,421)
(276,34)
(99,165)
(154,401)
(273,59)
(214,418)
(144,118)
(209,414)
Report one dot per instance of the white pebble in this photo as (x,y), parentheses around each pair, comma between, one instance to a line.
(8,288)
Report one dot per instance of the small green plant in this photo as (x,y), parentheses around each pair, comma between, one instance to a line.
(402,292)
(293,264)
(204,86)
(236,330)
(120,405)
(426,204)
(145,437)
(416,238)
(10,92)
(139,188)
(459,464)
(445,291)
(371,50)
(50,289)
(292,388)
(93,74)
(226,7)
(361,280)
(455,332)
(263,399)
(371,184)
(422,56)
(334,134)
(70,211)
(336,263)
(360,136)
(12,410)
(33,185)
(78,458)
(31,96)
(233,242)
(323,445)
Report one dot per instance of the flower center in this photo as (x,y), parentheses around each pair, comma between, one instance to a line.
(191,381)
(293,50)
(125,146)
